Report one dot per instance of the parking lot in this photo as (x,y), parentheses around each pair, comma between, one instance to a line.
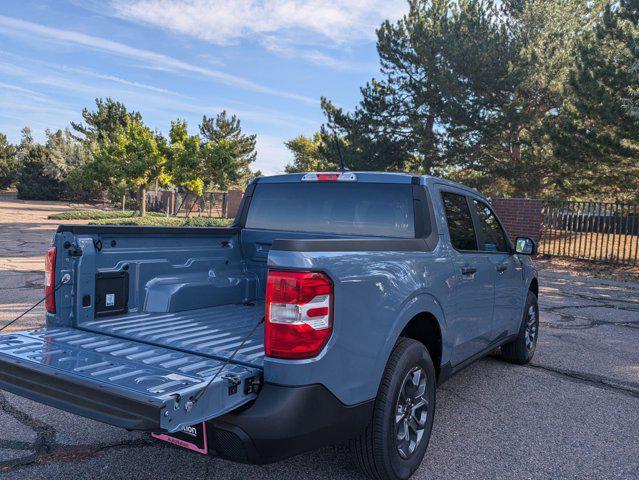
(572,413)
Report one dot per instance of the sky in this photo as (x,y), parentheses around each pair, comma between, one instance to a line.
(268,61)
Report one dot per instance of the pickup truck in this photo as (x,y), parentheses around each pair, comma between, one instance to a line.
(328,311)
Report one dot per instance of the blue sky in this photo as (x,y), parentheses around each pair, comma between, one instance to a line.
(268,61)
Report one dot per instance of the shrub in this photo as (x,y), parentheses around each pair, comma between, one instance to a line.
(95,214)
(162,221)
(36,180)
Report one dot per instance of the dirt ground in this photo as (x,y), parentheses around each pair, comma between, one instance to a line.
(584,268)
(25,233)
(572,413)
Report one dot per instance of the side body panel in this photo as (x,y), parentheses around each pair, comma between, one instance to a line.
(471,319)
(376,295)
(507,274)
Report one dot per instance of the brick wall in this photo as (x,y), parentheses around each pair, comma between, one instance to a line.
(521,217)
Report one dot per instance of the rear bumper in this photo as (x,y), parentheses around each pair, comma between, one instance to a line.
(65,393)
(286,421)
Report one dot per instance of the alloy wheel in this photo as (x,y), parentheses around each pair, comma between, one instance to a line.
(411,412)
(532,328)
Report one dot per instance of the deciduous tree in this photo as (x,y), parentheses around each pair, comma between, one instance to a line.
(129,156)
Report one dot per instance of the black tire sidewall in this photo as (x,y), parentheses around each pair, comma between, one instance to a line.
(415,354)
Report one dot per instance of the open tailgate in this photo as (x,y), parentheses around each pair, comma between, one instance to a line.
(121,382)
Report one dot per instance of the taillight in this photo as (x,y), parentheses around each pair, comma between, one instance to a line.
(299,316)
(49,279)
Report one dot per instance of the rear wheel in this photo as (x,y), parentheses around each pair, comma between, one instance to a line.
(522,349)
(393,445)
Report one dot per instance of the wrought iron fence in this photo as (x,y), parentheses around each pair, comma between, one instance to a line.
(597,231)
(184,204)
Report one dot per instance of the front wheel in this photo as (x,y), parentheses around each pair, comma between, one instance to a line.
(522,349)
(393,445)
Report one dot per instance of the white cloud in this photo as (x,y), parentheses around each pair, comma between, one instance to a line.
(226,21)
(123,81)
(282,26)
(17,88)
(11,26)
(314,55)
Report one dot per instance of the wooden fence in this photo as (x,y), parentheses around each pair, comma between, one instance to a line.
(597,231)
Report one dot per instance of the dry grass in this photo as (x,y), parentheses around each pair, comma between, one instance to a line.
(620,248)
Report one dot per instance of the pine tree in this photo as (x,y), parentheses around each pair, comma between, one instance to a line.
(469,89)
(227,152)
(597,133)
(105,121)
(7,162)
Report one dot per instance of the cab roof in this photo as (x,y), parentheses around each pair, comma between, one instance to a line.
(373,177)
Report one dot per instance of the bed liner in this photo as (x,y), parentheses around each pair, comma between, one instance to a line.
(213,331)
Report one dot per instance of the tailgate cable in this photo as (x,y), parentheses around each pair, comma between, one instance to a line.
(65,279)
(189,405)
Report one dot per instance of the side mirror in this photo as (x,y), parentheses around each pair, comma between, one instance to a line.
(525,246)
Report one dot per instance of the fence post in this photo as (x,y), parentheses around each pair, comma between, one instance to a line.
(224,206)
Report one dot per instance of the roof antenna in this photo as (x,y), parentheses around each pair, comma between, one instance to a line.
(342,167)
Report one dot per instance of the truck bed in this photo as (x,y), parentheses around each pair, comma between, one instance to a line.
(212,331)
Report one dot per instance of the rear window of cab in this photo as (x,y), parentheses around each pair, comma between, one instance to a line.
(368,209)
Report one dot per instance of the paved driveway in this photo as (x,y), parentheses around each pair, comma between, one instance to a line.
(572,413)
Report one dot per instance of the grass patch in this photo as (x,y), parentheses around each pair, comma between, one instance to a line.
(164,221)
(97,214)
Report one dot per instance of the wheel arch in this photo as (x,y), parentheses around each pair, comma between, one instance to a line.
(425,328)
(534,286)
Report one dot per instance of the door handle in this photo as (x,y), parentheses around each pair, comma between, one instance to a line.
(502,268)
(468,270)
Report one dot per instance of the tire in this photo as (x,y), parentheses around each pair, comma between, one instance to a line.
(377,448)
(521,350)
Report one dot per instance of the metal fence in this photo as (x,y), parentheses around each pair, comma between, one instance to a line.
(597,231)
(184,204)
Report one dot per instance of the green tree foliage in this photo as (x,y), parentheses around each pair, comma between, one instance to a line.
(113,150)
(7,162)
(129,157)
(227,152)
(109,117)
(216,159)
(597,132)
(474,90)
(184,158)
(68,158)
(37,178)
(311,154)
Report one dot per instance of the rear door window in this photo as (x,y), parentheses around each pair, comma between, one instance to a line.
(460,221)
(370,209)
(489,233)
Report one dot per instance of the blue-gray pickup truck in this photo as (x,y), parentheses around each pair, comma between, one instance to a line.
(328,311)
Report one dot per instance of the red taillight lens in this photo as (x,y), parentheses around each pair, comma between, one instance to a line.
(49,279)
(299,316)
